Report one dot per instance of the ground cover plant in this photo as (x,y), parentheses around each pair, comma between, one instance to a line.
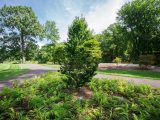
(133,73)
(47,97)
(10,70)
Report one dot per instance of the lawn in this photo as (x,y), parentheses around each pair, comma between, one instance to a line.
(8,71)
(50,65)
(48,97)
(133,73)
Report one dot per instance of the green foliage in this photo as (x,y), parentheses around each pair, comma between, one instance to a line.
(59,54)
(23,21)
(147,60)
(46,54)
(141,20)
(113,43)
(10,48)
(51,53)
(82,54)
(47,97)
(135,33)
(21,18)
(51,32)
(125,101)
(117,60)
(32,49)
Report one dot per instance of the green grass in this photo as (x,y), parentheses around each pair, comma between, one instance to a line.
(52,66)
(8,71)
(133,73)
(48,98)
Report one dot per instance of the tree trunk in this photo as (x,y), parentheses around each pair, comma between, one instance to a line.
(22,48)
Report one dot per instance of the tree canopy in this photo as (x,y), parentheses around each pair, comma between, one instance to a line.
(23,21)
(141,20)
(51,32)
(113,42)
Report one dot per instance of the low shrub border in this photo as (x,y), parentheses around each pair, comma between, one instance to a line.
(47,97)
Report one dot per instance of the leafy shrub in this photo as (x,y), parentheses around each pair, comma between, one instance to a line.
(59,54)
(45,55)
(36,101)
(147,60)
(82,54)
(125,101)
(47,97)
(117,60)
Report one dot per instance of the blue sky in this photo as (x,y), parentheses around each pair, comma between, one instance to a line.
(98,13)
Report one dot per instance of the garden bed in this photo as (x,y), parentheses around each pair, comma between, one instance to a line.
(47,97)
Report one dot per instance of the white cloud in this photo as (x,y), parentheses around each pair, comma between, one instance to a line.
(40,43)
(68,8)
(63,34)
(100,17)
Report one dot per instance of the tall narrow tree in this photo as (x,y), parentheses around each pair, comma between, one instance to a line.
(82,54)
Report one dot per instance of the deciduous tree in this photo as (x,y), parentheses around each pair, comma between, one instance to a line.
(51,32)
(113,43)
(141,18)
(23,21)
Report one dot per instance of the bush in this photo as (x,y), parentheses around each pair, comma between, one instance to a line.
(146,60)
(59,54)
(82,54)
(117,60)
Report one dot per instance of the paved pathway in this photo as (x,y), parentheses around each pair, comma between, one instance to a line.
(153,83)
(35,70)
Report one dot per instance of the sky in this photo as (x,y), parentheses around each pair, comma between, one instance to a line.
(99,14)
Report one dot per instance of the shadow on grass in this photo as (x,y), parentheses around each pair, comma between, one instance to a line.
(10,73)
(20,74)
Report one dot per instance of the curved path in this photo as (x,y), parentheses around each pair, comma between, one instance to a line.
(34,70)
(151,82)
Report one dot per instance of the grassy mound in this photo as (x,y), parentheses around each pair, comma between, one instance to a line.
(47,97)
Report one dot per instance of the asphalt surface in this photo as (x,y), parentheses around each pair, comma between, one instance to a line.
(36,69)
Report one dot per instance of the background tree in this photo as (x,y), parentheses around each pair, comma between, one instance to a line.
(32,49)
(51,32)
(113,43)
(82,54)
(45,54)
(23,21)
(59,53)
(10,47)
(141,20)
